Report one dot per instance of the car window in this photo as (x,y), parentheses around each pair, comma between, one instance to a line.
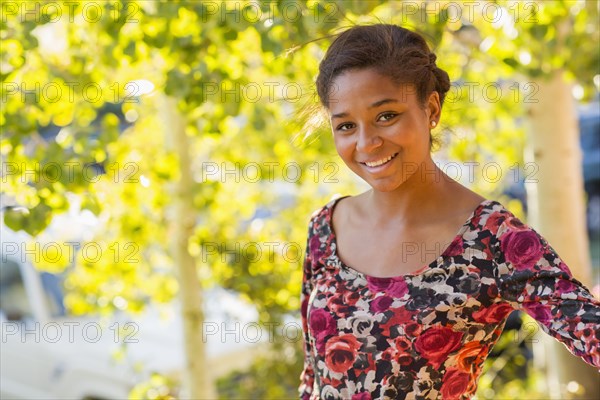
(14,303)
(53,293)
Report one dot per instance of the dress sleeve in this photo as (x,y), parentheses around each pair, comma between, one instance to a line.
(307,377)
(533,279)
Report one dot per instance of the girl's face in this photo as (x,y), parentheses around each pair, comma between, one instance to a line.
(380,130)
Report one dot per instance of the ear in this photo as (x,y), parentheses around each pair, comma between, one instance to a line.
(434,108)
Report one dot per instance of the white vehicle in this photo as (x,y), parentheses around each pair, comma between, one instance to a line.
(47,354)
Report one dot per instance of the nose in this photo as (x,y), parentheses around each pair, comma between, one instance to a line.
(368,140)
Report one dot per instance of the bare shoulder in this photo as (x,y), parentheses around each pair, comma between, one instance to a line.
(463,201)
(356,205)
(346,211)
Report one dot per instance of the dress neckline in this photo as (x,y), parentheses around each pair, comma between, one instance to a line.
(334,244)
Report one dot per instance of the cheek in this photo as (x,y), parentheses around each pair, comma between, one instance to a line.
(414,133)
(343,145)
(417,122)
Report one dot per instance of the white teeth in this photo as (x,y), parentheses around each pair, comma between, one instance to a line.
(380,162)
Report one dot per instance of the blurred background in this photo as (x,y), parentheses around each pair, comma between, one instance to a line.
(157,182)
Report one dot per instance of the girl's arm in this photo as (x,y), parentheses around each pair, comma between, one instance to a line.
(532,278)
(307,376)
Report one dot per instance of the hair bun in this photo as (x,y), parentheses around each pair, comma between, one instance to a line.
(397,53)
(432,58)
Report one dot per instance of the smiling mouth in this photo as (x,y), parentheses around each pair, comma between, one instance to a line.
(380,162)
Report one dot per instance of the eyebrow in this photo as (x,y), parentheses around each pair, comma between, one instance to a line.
(374,105)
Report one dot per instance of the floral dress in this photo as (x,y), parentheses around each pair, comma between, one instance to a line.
(426,335)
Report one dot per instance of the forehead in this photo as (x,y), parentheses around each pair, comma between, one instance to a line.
(361,88)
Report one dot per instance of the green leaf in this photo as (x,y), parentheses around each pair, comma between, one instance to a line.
(511,62)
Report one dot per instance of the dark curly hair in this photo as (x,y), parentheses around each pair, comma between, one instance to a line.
(398,53)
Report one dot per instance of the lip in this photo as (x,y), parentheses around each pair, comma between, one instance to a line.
(379,167)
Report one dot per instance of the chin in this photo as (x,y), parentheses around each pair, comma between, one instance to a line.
(384,187)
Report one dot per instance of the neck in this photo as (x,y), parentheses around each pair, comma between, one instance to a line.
(414,200)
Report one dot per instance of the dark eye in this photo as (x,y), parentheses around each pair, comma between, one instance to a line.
(345,126)
(386,116)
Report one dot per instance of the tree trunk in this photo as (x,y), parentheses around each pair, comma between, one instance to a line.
(196,381)
(556,208)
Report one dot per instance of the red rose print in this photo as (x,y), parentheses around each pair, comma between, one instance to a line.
(395,287)
(303,309)
(398,288)
(492,291)
(436,343)
(315,244)
(405,359)
(521,248)
(538,311)
(340,352)
(476,218)
(493,222)
(337,305)
(414,336)
(400,317)
(494,313)
(381,303)
(388,354)
(401,343)
(469,354)
(487,249)
(455,248)
(454,384)
(515,224)
(412,329)
(322,325)
(565,286)
(351,297)
(588,336)
(564,268)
